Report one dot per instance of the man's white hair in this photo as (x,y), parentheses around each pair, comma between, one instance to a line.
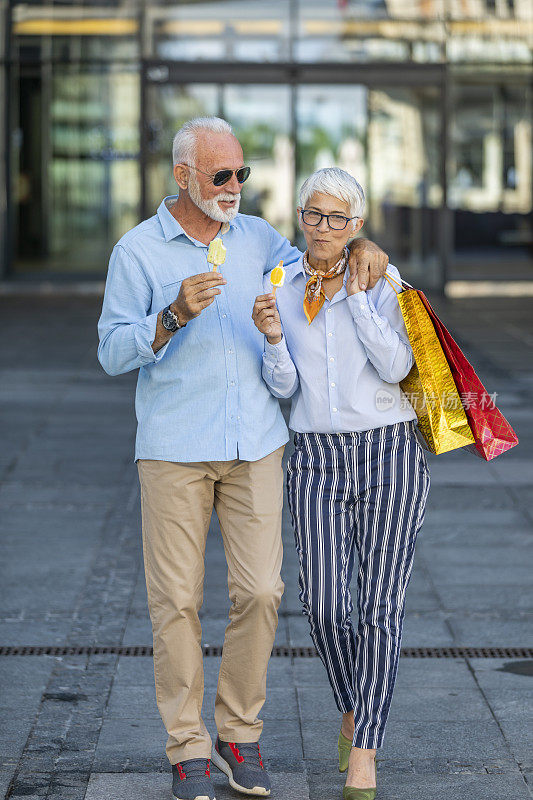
(184,144)
(338,183)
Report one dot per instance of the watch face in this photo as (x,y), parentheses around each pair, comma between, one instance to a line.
(169,321)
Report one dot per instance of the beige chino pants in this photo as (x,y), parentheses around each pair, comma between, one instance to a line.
(177,500)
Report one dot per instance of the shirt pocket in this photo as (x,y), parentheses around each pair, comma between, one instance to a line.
(171,290)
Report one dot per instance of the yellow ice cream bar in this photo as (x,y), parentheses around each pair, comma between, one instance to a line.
(277,276)
(216,253)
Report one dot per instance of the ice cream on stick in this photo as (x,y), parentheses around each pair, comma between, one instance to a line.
(216,253)
(277,277)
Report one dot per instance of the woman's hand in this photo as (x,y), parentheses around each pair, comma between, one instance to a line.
(352,284)
(266,317)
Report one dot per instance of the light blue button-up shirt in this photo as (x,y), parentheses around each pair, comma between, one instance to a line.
(201,397)
(342,369)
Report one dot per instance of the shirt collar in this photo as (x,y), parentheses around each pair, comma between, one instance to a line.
(170,225)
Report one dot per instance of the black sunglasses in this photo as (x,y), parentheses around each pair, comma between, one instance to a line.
(224,175)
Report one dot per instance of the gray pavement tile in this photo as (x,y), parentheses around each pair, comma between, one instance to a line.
(408,704)
(14,731)
(492,632)
(138,671)
(421,600)
(464,740)
(492,673)
(425,630)
(462,512)
(513,705)
(128,701)
(517,732)
(49,632)
(129,741)
(480,555)
(428,787)
(516,472)
(485,575)
(5,779)
(138,630)
(473,473)
(311,672)
(485,498)
(441,673)
(484,598)
(157,785)
(476,535)
(438,704)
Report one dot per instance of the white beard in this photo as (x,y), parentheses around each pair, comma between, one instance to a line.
(211,207)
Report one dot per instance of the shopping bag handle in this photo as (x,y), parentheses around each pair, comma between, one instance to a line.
(401,284)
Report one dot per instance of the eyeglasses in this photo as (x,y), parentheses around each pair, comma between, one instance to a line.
(335,221)
(224,175)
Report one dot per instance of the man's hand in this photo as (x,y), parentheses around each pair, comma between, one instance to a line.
(196,293)
(266,317)
(367,264)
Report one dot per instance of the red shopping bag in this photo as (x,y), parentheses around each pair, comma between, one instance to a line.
(492,433)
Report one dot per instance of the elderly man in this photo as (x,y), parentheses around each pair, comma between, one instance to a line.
(209,434)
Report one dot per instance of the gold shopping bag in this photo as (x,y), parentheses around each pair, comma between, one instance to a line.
(429,386)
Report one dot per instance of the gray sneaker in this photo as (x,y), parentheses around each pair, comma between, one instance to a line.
(191,780)
(243,765)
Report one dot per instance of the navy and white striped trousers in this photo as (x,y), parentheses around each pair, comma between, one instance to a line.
(367,492)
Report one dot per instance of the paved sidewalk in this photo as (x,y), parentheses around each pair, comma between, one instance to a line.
(81,726)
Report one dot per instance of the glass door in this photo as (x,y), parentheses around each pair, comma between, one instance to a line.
(260,117)
(75,164)
(389,139)
(404,178)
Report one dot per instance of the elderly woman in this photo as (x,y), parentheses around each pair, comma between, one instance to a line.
(358,478)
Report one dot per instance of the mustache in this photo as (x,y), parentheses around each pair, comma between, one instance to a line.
(228,196)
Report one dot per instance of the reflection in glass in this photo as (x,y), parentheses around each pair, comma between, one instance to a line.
(404,189)
(369,31)
(77,176)
(169,106)
(260,116)
(489,172)
(219,31)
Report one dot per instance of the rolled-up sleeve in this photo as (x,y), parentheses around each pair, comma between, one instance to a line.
(382,331)
(126,330)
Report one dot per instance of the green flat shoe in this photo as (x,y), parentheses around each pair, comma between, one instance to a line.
(345,746)
(351,793)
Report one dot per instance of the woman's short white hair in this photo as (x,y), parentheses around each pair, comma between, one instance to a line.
(184,144)
(338,183)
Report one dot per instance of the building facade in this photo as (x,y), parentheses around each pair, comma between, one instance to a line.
(427,102)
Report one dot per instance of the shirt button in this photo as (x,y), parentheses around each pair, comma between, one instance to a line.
(331,358)
(333,383)
(330,334)
(224,316)
(238,417)
(232,383)
(230,352)
(334,409)
(330,310)
(361,305)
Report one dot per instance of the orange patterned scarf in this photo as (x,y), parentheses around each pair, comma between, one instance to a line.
(314,293)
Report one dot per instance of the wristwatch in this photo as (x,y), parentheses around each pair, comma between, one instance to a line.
(169,321)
